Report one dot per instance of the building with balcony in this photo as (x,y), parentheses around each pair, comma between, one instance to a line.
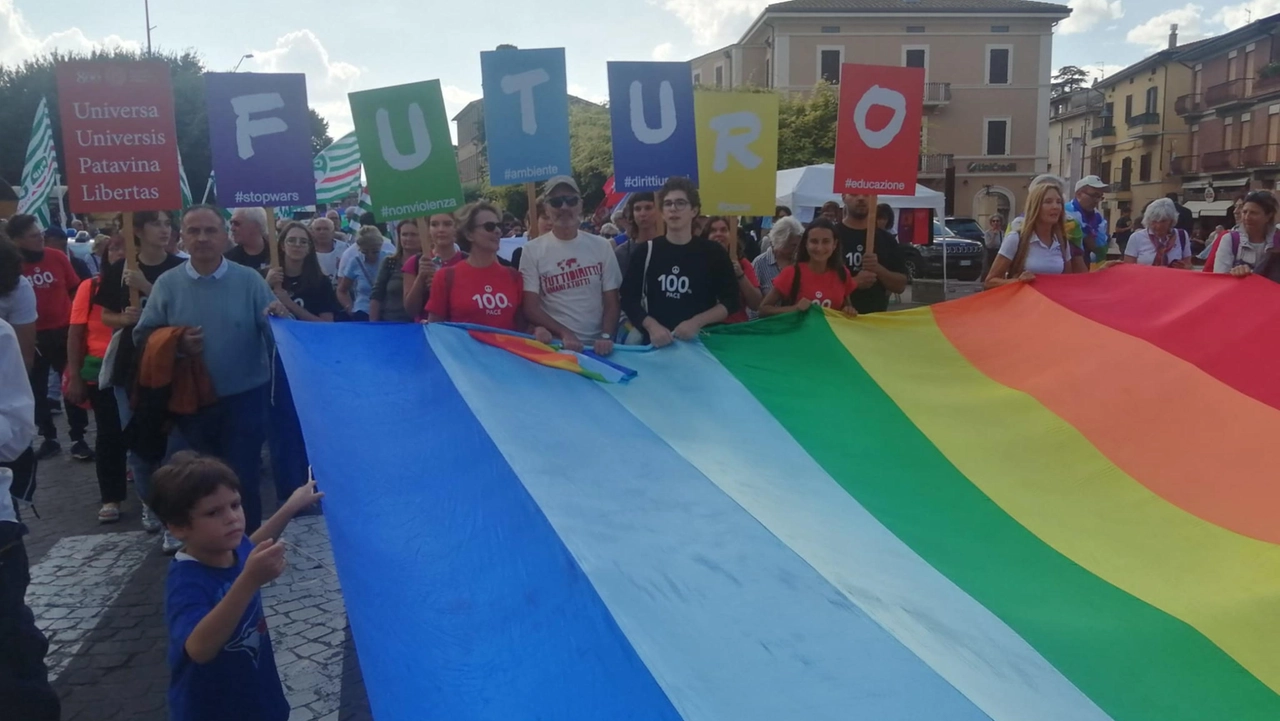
(1073,116)
(1232,112)
(987,70)
(1137,134)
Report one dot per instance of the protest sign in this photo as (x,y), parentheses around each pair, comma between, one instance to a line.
(652,122)
(737,151)
(878,129)
(119,136)
(260,138)
(526,115)
(403,134)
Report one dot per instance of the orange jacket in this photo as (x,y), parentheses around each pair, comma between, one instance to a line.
(190,387)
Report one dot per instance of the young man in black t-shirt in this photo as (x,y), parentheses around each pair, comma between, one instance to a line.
(676,283)
(880,272)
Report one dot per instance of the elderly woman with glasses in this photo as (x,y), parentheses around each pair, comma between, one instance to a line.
(1158,243)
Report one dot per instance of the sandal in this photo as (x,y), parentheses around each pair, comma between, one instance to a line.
(109,513)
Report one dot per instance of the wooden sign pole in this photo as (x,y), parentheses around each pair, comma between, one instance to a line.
(733,241)
(423,227)
(271,237)
(531,192)
(130,255)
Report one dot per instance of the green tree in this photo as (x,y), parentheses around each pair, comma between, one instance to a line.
(807,127)
(319,132)
(1069,78)
(590,150)
(22,86)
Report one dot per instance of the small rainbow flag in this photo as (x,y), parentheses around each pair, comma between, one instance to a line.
(587,364)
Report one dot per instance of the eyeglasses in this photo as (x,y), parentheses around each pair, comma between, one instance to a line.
(489,227)
(564,201)
(610,235)
(676,203)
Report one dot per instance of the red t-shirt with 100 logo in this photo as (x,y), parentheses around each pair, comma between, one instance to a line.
(485,296)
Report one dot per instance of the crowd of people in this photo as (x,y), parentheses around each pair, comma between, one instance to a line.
(171,350)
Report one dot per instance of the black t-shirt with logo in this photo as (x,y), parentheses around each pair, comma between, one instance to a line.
(113,295)
(853,244)
(316,298)
(681,281)
(259,261)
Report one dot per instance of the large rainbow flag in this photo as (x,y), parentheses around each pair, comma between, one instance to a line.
(1051,502)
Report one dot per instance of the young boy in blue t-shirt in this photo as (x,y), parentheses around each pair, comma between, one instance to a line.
(221,663)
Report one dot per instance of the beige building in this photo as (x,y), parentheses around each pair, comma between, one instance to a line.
(988,69)
(1138,133)
(1072,116)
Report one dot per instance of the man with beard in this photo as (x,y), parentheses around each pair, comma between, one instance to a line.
(879,270)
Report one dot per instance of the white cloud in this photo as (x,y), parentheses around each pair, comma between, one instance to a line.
(1153,35)
(713,22)
(592,94)
(1085,14)
(664,52)
(1235,16)
(328,80)
(19,42)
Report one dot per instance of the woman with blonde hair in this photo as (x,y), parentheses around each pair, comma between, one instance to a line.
(1040,245)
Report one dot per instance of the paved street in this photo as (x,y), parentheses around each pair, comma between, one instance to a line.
(97,591)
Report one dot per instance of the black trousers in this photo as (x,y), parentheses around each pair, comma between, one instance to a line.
(51,354)
(109,448)
(25,692)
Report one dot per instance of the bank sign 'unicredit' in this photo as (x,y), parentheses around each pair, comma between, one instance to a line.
(119,136)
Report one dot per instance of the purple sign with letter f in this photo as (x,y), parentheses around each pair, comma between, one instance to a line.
(260,137)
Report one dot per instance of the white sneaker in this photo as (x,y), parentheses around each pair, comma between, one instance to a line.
(150,523)
(170,545)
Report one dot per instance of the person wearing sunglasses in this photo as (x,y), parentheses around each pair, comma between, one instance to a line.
(1090,225)
(480,290)
(678,283)
(571,278)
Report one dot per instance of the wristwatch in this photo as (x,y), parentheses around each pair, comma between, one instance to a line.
(606,336)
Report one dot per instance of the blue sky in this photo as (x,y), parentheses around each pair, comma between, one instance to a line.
(342,47)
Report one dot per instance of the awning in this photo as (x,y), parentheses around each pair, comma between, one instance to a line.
(1218,207)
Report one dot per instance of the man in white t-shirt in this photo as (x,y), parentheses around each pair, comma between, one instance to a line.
(571,278)
(328,248)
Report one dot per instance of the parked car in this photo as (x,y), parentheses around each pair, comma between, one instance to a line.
(964,256)
(965,228)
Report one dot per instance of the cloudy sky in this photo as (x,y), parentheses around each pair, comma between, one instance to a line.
(343,47)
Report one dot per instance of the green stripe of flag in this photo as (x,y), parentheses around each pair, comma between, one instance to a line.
(1133,660)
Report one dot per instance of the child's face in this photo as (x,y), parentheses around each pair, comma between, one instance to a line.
(217,522)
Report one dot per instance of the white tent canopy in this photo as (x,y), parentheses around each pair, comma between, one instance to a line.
(803,189)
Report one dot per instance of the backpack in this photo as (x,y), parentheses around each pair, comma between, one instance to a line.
(1266,268)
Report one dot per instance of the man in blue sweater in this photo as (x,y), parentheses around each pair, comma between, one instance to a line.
(224,307)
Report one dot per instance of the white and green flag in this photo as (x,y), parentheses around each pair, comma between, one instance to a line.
(337,170)
(39,172)
(187,200)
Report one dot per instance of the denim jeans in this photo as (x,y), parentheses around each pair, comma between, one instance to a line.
(142,469)
(284,439)
(234,429)
(25,691)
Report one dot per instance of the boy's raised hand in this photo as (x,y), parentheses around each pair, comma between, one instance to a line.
(265,563)
(305,497)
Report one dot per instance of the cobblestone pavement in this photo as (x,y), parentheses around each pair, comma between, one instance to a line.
(97,592)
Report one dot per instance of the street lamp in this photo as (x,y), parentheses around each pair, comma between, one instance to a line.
(243,58)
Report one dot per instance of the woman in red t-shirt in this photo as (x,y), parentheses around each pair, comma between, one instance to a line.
(748,284)
(479,289)
(817,277)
